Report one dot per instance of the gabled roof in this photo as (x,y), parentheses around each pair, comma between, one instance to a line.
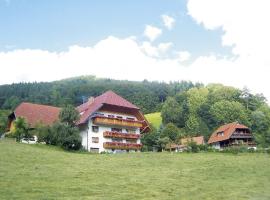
(198,140)
(36,113)
(227,129)
(109,98)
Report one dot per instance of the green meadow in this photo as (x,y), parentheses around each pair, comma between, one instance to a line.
(155,119)
(44,172)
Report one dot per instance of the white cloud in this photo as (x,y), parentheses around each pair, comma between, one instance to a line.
(152,32)
(245,27)
(155,51)
(168,21)
(184,56)
(112,57)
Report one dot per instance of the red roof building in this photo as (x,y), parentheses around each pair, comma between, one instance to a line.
(107,123)
(111,123)
(231,135)
(199,140)
(35,114)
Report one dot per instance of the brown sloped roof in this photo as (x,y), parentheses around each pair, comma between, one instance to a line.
(36,113)
(198,140)
(109,98)
(227,129)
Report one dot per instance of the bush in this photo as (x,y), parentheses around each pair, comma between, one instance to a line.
(236,150)
(72,142)
(193,147)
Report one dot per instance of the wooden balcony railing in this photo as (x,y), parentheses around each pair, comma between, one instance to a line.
(117,122)
(242,135)
(120,145)
(112,134)
(244,144)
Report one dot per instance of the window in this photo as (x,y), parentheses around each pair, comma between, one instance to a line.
(95,140)
(94,150)
(119,117)
(111,116)
(221,133)
(99,114)
(130,131)
(117,130)
(117,140)
(130,118)
(95,129)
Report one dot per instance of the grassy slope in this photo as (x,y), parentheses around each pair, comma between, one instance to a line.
(41,172)
(154,118)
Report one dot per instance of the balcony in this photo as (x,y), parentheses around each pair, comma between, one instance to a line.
(112,134)
(241,135)
(117,122)
(120,145)
(250,143)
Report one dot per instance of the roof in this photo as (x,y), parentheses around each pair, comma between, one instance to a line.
(36,113)
(198,140)
(109,98)
(227,129)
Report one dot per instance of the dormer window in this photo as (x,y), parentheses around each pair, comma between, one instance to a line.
(111,116)
(221,133)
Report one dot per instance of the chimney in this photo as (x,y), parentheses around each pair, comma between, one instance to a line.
(90,100)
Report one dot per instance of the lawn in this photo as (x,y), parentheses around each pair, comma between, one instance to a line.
(42,172)
(155,119)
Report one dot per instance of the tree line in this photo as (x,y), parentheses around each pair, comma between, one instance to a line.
(201,110)
(149,96)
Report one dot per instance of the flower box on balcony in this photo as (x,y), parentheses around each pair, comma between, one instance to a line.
(117,121)
(120,145)
(113,134)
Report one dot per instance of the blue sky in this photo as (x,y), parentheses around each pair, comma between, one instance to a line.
(55,25)
(208,41)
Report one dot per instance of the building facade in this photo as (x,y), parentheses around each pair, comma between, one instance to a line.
(109,123)
(233,134)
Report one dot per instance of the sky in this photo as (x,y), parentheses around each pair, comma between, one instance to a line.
(207,41)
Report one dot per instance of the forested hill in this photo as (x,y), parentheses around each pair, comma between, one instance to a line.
(149,96)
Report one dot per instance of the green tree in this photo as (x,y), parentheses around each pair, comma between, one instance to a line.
(171,112)
(11,102)
(164,142)
(196,97)
(229,111)
(219,92)
(150,140)
(21,129)
(69,115)
(3,121)
(170,131)
(192,124)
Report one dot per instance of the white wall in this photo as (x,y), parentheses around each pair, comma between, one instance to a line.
(216,145)
(99,134)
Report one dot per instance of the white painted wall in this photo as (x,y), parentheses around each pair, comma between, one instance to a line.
(216,145)
(99,134)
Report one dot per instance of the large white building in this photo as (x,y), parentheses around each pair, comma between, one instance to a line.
(109,123)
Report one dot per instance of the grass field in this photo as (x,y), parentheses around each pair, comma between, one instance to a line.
(42,172)
(154,118)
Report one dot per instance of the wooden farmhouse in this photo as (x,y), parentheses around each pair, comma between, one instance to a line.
(233,134)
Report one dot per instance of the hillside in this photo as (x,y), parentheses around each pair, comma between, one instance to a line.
(42,172)
(149,96)
(154,118)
